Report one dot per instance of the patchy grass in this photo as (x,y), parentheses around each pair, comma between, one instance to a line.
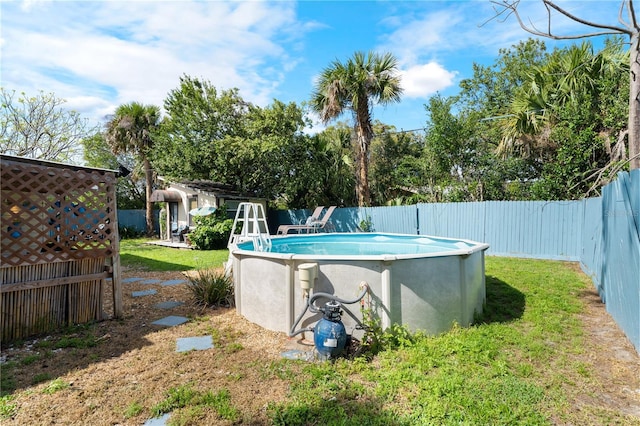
(7,379)
(518,365)
(8,408)
(535,356)
(133,410)
(55,386)
(188,405)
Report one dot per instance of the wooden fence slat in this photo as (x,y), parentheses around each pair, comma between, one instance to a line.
(52,282)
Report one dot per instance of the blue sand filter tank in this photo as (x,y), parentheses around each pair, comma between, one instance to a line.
(329,334)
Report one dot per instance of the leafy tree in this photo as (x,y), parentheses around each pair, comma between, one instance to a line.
(566,116)
(190,142)
(130,131)
(573,76)
(459,156)
(491,90)
(627,28)
(218,136)
(557,132)
(38,127)
(270,151)
(320,170)
(334,152)
(492,87)
(397,169)
(130,190)
(355,86)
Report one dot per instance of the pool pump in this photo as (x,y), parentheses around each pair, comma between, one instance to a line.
(329,334)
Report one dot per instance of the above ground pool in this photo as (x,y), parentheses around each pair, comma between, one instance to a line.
(422,282)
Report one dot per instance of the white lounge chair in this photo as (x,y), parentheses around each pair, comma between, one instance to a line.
(313,223)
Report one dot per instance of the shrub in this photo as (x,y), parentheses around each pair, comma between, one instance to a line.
(129,232)
(211,287)
(212,231)
(366,225)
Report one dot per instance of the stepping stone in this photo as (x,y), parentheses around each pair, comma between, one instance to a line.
(130,280)
(172,282)
(170,321)
(186,344)
(151,281)
(158,421)
(297,354)
(169,305)
(143,293)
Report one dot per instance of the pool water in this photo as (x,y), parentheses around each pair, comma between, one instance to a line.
(363,244)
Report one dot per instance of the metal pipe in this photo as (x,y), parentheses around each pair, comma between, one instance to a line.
(310,305)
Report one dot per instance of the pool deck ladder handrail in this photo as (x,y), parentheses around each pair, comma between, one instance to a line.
(253,222)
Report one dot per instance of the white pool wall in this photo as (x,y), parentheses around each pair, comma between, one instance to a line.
(423,292)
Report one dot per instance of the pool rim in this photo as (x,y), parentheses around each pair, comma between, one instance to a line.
(474,247)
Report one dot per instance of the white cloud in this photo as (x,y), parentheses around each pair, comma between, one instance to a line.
(27,5)
(420,81)
(431,39)
(100,54)
(119,52)
(423,36)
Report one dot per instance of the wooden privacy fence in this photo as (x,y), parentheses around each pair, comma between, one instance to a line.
(59,244)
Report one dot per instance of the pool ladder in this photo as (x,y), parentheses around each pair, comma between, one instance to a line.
(251,220)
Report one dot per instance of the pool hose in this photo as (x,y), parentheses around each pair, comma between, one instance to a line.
(311,306)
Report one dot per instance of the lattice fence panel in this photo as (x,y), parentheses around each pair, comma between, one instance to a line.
(59,244)
(52,214)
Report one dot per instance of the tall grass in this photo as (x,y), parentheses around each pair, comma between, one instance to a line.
(211,287)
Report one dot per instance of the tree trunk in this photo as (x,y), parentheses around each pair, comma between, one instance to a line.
(634,104)
(362,183)
(364,133)
(148,174)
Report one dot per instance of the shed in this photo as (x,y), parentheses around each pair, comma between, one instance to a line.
(185,196)
(59,245)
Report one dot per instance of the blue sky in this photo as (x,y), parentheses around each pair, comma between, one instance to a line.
(100,54)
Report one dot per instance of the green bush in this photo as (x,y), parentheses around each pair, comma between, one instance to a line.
(211,287)
(212,231)
(129,232)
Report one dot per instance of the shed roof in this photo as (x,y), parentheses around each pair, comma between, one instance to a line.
(49,163)
(209,186)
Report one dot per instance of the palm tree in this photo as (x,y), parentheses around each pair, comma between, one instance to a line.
(566,78)
(355,86)
(627,27)
(129,131)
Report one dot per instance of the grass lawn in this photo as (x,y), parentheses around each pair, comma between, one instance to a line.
(523,363)
(529,359)
(135,253)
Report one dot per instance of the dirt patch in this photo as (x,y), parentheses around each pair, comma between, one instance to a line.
(614,359)
(134,363)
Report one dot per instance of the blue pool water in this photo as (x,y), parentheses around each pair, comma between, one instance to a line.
(363,244)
